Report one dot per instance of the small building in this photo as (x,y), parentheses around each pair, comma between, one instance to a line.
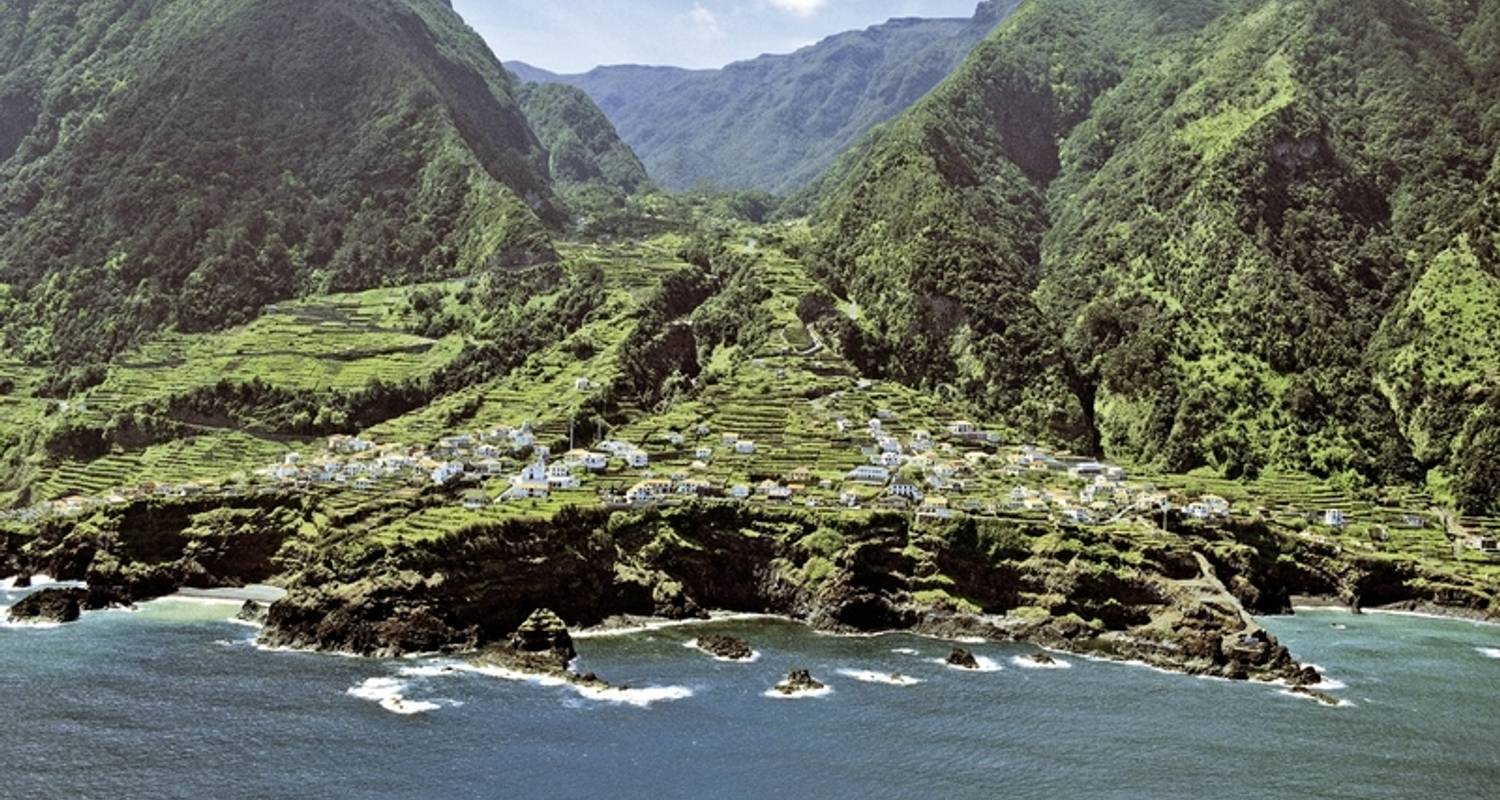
(676,439)
(364,485)
(905,489)
(963,427)
(704,454)
(637,459)
(523,490)
(935,508)
(885,415)
(892,460)
(446,472)
(648,491)
(559,477)
(475,500)
(849,500)
(871,474)
(744,447)
(1335,518)
(583,384)
(740,492)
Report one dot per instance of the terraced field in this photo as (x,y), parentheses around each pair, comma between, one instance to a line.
(334,342)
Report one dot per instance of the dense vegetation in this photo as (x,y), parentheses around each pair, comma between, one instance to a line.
(182,162)
(777,122)
(584,151)
(1205,233)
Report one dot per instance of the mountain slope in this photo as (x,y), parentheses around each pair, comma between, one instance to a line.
(776,122)
(1180,225)
(181,162)
(582,146)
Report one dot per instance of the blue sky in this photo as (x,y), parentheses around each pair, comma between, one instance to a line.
(575,35)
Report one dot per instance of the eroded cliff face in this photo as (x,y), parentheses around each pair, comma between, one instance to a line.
(1181,598)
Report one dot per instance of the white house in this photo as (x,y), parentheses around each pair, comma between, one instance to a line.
(892,460)
(1335,518)
(522,490)
(1087,469)
(582,384)
(885,414)
(522,438)
(637,459)
(876,426)
(841,424)
(704,454)
(364,485)
(490,467)
(560,477)
(849,500)
(889,444)
(648,492)
(962,428)
(675,439)
(744,447)
(906,490)
(447,471)
(935,508)
(869,473)
(740,492)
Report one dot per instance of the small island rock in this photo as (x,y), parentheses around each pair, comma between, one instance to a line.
(50,606)
(727,647)
(962,658)
(799,680)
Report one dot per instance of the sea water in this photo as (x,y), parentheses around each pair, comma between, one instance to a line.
(176,701)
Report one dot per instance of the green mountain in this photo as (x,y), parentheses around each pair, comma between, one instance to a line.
(778,121)
(182,163)
(1233,235)
(583,148)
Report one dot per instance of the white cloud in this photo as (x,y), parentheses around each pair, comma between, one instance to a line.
(802,8)
(705,22)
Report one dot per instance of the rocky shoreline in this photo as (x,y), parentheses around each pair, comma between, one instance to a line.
(1182,601)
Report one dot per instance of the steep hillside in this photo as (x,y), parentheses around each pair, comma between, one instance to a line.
(777,121)
(1175,231)
(181,162)
(583,147)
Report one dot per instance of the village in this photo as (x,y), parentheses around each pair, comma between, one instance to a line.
(962,470)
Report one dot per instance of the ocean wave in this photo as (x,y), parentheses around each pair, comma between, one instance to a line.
(37,582)
(1029,662)
(1298,695)
(905,651)
(692,644)
(389,694)
(1489,652)
(985,664)
(649,626)
(887,678)
(642,697)
(6,623)
(803,694)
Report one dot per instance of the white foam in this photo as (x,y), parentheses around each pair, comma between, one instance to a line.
(905,651)
(970,640)
(639,697)
(1030,662)
(985,664)
(37,582)
(9,624)
(693,645)
(245,622)
(429,670)
(660,624)
(389,694)
(1319,701)
(1489,652)
(801,694)
(887,678)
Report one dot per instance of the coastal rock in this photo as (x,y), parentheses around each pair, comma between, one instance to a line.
(1042,659)
(22,581)
(252,612)
(962,658)
(544,632)
(50,606)
(1313,694)
(727,647)
(799,681)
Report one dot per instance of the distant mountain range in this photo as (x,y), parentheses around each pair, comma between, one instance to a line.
(778,121)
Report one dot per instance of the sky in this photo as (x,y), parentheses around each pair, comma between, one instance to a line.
(576,35)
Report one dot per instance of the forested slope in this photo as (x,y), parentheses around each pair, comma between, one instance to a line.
(1202,233)
(183,162)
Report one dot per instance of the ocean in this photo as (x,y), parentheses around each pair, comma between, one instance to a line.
(175,701)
